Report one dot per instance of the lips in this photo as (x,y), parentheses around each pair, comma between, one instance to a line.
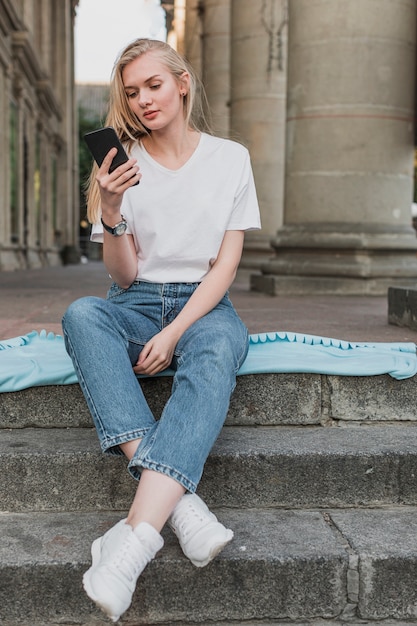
(149,115)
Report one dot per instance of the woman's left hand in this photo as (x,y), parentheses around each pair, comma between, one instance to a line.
(157,354)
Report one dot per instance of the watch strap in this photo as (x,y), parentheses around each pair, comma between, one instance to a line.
(113,229)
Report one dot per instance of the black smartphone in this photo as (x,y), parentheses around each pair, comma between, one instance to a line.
(99,143)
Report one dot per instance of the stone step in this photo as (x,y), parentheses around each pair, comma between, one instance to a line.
(266,466)
(294,566)
(264,399)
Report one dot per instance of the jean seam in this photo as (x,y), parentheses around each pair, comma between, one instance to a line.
(162,469)
(244,353)
(112,442)
(141,459)
(85,388)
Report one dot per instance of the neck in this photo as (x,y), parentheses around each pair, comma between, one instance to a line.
(171,150)
(171,142)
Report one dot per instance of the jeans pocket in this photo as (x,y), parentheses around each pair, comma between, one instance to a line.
(115,290)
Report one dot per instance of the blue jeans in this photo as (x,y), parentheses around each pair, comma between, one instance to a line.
(104,338)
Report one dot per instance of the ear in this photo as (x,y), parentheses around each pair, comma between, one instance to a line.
(184,83)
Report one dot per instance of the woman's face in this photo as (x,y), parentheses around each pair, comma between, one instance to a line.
(153,93)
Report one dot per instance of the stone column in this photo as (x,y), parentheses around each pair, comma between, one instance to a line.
(5,174)
(10,253)
(216,62)
(69,161)
(258,95)
(176,34)
(192,34)
(349,156)
(31,206)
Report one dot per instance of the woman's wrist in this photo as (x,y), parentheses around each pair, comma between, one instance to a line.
(111,217)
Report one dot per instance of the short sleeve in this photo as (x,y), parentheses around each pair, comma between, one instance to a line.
(245,214)
(96,233)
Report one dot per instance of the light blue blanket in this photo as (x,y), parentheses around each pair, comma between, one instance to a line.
(40,359)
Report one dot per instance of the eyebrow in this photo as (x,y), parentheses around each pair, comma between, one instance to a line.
(148,80)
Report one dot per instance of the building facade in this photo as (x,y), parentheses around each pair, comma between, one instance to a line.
(323,94)
(39,212)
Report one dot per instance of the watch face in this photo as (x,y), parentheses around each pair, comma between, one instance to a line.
(120,228)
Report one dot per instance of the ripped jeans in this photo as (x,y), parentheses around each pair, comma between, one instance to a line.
(104,338)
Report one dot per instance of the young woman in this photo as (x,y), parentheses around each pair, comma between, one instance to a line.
(172,245)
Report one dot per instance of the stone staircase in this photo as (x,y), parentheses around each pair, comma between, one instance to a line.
(317,475)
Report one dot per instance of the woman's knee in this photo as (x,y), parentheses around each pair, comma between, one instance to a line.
(81,311)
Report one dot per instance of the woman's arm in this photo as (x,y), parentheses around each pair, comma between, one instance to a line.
(215,284)
(119,254)
(119,257)
(158,352)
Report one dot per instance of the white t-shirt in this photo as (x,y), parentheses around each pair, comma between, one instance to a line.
(178,218)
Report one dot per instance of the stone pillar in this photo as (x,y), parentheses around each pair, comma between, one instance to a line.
(349,156)
(176,34)
(69,176)
(258,94)
(5,171)
(216,62)
(192,34)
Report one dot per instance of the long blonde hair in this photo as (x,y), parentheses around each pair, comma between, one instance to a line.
(124,121)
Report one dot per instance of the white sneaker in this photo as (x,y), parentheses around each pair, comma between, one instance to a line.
(119,557)
(199,532)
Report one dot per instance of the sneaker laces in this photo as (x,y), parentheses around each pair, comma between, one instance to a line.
(130,560)
(187,522)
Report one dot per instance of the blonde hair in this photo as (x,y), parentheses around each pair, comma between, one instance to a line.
(124,121)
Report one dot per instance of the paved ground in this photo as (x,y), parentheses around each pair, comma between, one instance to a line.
(36,299)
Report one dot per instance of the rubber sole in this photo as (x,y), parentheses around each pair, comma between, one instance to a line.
(214,551)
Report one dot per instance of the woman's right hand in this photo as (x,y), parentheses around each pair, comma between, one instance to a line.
(157,353)
(119,253)
(113,185)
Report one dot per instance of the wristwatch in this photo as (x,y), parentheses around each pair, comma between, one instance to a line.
(118,229)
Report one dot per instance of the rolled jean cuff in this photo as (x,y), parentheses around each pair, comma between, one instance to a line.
(136,466)
(141,461)
(110,445)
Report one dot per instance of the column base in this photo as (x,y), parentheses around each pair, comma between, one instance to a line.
(257,250)
(325,286)
(11,259)
(346,260)
(35,258)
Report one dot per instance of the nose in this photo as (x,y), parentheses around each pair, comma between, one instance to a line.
(144,98)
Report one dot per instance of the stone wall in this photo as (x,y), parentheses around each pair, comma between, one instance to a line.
(39,217)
